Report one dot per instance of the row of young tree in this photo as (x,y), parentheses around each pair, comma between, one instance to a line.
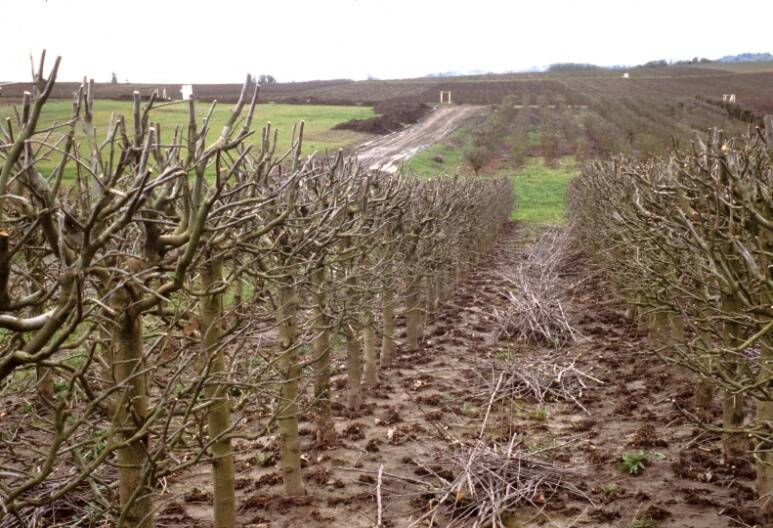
(164,294)
(689,242)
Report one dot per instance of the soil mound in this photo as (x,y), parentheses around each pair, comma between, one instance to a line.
(394,115)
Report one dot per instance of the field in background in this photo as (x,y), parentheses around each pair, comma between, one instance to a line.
(740,67)
(318,119)
(542,144)
(751,83)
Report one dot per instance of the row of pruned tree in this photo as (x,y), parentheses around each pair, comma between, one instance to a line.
(165,295)
(689,242)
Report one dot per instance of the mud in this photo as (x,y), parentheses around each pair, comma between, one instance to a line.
(422,407)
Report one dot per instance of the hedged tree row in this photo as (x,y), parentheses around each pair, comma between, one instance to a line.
(166,293)
(689,242)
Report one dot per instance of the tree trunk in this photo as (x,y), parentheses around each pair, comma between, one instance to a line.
(658,329)
(764,457)
(431,299)
(326,432)
(45,386)
(734,444)
(287,406)
(44,375)
(219,411)
(369,343)
(704,386)
(764,420)
(353,370)
(388,328)
(434,293)
(704,396)
(134,492)
(413,318)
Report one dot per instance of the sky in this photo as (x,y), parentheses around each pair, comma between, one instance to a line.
(196,41)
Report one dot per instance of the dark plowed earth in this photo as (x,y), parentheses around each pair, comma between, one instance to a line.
(427,402)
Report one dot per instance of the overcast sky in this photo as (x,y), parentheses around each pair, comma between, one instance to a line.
(221,40)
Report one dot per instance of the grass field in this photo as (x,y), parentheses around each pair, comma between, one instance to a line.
(319,119)
(540,190)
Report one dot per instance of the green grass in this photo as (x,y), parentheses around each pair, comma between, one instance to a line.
(423,165)
(319,119)
(540,190)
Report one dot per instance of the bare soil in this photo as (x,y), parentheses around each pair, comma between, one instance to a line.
(427,402)
(394,115)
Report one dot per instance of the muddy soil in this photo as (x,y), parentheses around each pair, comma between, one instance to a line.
(393,115)
(427,401)
(388,152)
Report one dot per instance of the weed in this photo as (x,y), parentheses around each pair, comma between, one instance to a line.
(634,462)
(610,489)
(541,414)
(467,409)
(264,458)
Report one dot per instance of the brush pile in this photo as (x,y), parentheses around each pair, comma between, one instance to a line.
(535,314)
(479,484)
(549,378)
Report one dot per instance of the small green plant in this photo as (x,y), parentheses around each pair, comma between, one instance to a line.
(100,443)
(634,462)
(541,414)
(644,523)
(264,458)
(609,489)
(467,409)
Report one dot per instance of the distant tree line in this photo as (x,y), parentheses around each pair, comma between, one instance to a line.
(265,78)
(572,66)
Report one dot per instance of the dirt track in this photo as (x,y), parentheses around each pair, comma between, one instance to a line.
(388,152)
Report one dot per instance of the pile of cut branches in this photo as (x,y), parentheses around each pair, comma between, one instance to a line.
(535,313)
(548,378)
(479,484)
(57,502)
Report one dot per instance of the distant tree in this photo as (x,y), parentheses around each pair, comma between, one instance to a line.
(572,66)
(656,63)
(265,79)
(476,156)
(113,78)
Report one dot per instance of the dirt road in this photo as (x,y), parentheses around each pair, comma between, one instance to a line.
(388,152)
